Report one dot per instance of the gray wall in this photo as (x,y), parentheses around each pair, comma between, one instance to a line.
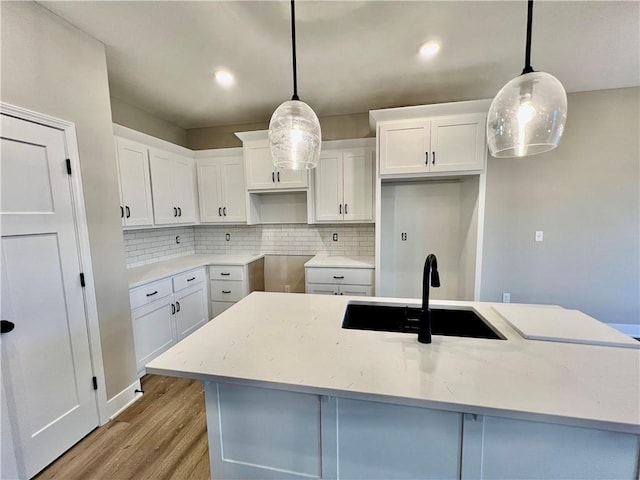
(585,196)
(130,116)
(52,67)
(336,127)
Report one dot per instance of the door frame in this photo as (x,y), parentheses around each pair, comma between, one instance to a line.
(84,247)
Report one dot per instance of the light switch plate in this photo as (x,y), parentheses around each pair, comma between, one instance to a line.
(539,235)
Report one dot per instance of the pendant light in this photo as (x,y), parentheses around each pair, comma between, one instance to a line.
(527,116)
(294,129)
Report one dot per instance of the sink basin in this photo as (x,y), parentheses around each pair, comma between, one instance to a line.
(404,319)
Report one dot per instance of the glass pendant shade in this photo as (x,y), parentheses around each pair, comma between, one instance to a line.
(294,136)
(527,116)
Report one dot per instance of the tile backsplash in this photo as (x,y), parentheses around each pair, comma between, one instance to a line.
(153,245)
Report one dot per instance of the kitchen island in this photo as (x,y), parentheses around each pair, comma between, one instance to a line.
(291,394)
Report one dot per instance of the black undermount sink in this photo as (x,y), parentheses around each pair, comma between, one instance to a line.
(397,318)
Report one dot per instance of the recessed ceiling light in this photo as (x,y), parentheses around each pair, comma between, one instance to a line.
(430,48)
(224,78)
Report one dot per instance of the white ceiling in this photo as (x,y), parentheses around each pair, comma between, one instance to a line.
(353,56)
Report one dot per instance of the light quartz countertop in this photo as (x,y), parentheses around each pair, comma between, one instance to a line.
(155,271)
(295,342)
(341,262)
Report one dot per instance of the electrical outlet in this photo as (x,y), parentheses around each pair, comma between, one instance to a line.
(287,289)
(177,238)
(539,235)
(335,237)
(227,237)
(506,297)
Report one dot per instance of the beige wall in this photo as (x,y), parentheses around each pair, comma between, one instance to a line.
(130,116)
(585,196)
(336,127)
(51,67)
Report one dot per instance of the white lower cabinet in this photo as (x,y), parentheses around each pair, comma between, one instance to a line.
(165,311)
(339,281)
(264,433)
(229,283)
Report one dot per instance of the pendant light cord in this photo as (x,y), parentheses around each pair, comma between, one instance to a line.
(293,44)
(527,60)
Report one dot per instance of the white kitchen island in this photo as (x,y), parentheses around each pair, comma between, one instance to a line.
(291,394)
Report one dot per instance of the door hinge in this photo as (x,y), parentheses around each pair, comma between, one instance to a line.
(69,166)
(95,383)
(82,284)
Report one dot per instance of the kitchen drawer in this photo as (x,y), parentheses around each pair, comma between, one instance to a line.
(150,292)
(339,276)
(226,290)
(222,272)
(188,279)
(218,307)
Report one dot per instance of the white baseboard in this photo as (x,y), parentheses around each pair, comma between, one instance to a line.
(122,400)
(631,329)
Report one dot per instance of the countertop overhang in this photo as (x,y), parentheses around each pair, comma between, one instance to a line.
(295,342)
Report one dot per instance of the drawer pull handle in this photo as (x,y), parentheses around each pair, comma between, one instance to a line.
(152,293)
(278,176)
(191,279)
(219,211)
(224,274)
(121,211)
(226,291)
(177,306)
(273,177)
(224,211)
(175,212)
(179,212)
(346,209)
(173,309)
(128,210)
(433,158)
(341,277)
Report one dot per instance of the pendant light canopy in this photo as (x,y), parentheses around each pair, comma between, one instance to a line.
(294,129)
(527,116)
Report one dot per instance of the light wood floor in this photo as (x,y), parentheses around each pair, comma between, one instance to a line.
(161,436)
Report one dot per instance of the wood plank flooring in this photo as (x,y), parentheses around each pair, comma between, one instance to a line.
(161,436)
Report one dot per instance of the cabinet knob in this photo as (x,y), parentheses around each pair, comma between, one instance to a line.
(6,326)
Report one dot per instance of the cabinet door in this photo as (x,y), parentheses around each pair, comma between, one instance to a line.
(322,289)
(260,173)
(191,310)
(404,147)
(328,187)
(291,178)
(357,179)
(164,209)
(234,196)
(183,189)
(458,143)
(152,330)
(210,190)
(355,290)
(135,184)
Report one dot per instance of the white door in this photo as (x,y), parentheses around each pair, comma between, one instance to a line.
(165,210)
(232,180)
(357,169)
(458,144)
(328,178)
(135,185)
(260,171)
(210,190)
(46,363)
(183,189)
(404,147)
(191,310)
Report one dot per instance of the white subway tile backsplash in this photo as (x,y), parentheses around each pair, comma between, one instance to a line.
(153,245)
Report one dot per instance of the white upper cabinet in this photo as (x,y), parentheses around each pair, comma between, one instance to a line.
(344,185)
(260,172)
(450,144)
(221,189)
(172,180)
(136,209)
